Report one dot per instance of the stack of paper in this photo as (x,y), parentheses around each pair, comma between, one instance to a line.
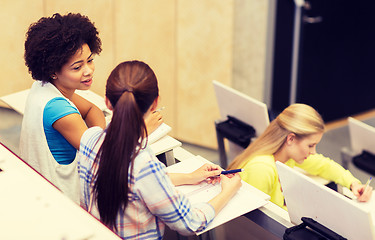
(246,199)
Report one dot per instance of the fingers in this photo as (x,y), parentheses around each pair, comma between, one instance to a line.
(231,175)
(157,116)
(362,192)
(211,167)
(213,180)
(365,194)
(232,181)
(211,170)
(153,121)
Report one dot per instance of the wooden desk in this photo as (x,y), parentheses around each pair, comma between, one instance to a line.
(32,208)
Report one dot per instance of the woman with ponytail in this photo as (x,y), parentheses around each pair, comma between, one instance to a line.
(123,183)
(291,138)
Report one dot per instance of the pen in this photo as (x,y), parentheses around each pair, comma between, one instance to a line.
(232,171)
(159,109)
(367,183)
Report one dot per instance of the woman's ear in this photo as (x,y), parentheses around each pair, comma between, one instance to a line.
(108,103)
(290,138)
(154,105)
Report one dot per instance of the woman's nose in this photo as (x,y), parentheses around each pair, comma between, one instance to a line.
(88,70)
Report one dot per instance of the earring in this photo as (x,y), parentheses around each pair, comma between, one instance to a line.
(54,77)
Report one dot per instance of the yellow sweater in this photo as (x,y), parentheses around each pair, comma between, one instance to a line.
(261,173)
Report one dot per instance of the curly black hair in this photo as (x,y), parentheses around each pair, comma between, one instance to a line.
(52,41)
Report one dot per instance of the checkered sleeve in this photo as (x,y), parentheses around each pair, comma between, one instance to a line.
(157,191)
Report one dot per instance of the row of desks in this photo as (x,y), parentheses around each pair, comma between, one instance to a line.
(31,203)
(22,186)
(32,208)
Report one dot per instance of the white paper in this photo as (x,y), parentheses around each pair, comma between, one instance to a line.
(245,200)
(158,133)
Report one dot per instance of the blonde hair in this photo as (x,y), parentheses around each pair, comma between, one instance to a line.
(300,119)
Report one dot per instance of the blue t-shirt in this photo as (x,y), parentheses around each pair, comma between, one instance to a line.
(63,152)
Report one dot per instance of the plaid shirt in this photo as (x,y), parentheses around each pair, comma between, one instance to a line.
(153,200)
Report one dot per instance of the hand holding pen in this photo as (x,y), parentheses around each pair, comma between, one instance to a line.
(154,120)
(208,172)
(159,109)
(211,173)
(232,171)
(362,192)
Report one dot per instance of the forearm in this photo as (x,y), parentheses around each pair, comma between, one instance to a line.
(179,178)
(95,117)
(329,169)
(221,200)
(339,175)
(90,113)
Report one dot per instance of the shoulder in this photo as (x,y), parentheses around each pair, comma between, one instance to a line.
(60,102)
(37,85)
(146,163)
(145,157)
(262,160)
(263,165)
(40,93)
(261,173)
(93,132)
(57,108)
(45,89)
(91,137)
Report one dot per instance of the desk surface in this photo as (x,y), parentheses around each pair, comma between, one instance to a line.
(32,208)
(81,225)
(47,213)
(270,217)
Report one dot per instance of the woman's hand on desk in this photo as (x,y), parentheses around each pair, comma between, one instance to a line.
(208,172)
(230,184)
(362,192)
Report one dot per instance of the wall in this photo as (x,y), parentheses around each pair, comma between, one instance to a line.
(188,43)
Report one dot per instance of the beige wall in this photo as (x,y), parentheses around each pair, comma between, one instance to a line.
(15,17)
(188,43)
(204,46)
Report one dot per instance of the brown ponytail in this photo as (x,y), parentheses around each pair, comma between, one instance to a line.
(131,89)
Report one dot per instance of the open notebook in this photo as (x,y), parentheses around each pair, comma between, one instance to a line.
(246,199)
(158,133)
(306,198)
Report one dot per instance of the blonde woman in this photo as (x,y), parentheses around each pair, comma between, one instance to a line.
(291,139)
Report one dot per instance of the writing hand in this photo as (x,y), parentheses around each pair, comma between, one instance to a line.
(231,182)
(153,121)
(207,172)
(362,192)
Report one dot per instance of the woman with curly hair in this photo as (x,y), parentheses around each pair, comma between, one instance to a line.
(59,53)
